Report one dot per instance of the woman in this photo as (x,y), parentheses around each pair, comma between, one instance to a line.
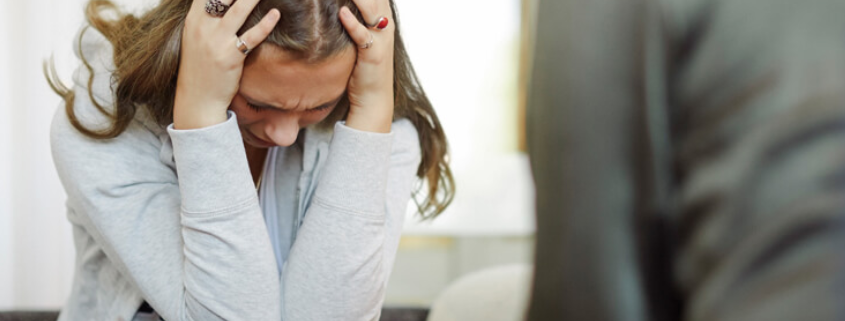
(181,113)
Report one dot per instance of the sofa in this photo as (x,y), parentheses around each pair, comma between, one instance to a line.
(387,314)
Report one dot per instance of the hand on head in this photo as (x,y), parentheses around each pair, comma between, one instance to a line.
(212,59)
(371,86)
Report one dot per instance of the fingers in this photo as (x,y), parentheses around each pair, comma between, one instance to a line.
(369,10)
(372,10)
(234,17)
(237,14)
(198,8)
(256,35)
(356,30)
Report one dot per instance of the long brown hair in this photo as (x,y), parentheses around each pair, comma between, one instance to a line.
(146,57)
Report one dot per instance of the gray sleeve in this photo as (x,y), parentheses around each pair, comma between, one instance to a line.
(196,248)
(341,260)
(581,129)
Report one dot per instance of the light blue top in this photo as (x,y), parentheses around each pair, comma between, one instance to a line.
(284,163)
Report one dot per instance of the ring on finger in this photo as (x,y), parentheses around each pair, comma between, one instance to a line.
(242,46)
(369,43)
(380,23)
(216,8)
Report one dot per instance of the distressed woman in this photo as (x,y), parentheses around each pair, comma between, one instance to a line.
(248,160)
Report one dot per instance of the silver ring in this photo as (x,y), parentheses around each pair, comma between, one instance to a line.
(369,43)
(242,46)
(216,8)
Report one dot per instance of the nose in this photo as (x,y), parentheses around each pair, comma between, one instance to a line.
(283,131)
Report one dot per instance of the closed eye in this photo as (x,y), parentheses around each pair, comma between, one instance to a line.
(321,108)
(312,110)
(256,108)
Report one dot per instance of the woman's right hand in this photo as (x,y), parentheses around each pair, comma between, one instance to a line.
(210,64)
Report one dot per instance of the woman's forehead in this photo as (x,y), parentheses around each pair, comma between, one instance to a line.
(276,78)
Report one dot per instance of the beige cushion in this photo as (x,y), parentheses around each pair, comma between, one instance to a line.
(493,294)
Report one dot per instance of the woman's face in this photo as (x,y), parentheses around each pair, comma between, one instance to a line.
(280,95)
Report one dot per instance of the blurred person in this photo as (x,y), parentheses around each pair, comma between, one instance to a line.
(689,158)
(246,160)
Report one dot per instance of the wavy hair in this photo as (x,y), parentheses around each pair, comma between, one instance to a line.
(146,57)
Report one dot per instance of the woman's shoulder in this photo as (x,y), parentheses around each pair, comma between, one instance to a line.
(93,83)
(96,58)
(90,44)
(93,103)
(136,143)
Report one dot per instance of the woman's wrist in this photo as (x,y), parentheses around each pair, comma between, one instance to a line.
(197,121)
(191,113)
(370,120)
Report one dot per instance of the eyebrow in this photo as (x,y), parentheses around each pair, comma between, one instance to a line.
(268,106)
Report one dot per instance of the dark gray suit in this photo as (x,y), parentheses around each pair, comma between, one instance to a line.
(689,158)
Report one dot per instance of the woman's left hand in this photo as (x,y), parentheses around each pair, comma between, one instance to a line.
(370,88)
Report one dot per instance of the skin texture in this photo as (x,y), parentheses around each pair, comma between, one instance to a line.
(289,92)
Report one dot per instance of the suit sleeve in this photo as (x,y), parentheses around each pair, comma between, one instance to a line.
(582,124)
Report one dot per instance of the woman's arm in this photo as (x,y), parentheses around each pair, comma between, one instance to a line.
(198,250)
(341,260)
(197,247)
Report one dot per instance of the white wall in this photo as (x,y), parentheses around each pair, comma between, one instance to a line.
(35,243)
(467,61)
(467,66)
(6,236)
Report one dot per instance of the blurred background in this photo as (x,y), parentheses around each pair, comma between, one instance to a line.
(468,57)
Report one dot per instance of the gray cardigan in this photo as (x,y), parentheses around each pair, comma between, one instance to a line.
(172,217)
